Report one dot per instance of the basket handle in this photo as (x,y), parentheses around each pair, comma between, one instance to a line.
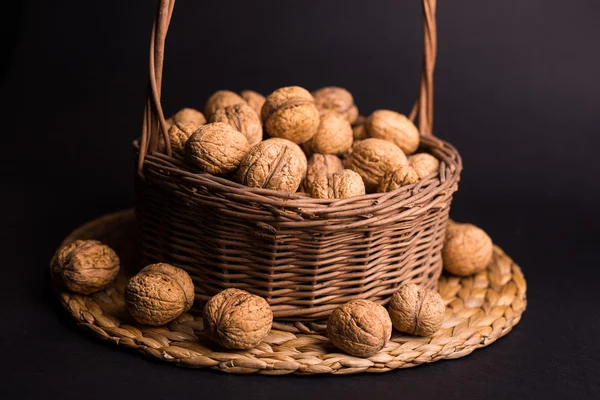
(154,123)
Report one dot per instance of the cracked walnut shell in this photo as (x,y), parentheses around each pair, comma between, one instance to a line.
(340,185)
(84,266)
(467,249)
(394,127)
(237,319)
(372,159)
(221,99)
(334,135)
(276,164)
(243,118)
(158,294)
(290,113)
(253,99)
(360,328)
(216,148)
(338,100)
(416,310)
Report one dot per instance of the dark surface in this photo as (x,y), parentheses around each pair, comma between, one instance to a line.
(516,91)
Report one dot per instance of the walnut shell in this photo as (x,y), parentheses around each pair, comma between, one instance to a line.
(277,164)
(338,100)
(237,319)
(359,132)
(360,328)
(467,249)
(254,100)
(290,113)
(158,294)
(216,148)
(321,164)
(406,174)
(334,135)
(186,116)
(243,118)
(372,159)
(179,134)
(417,311)
(425,162)
(84,266)
(221,99)
(394,127)
(340,185)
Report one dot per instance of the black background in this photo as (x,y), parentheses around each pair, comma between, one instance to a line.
(517,92)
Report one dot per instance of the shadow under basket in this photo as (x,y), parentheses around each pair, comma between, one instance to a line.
(305,256)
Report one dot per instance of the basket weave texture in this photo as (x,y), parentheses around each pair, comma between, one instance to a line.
(304,256)
(479,310)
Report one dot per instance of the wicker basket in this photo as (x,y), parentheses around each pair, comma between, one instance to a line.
(305,256)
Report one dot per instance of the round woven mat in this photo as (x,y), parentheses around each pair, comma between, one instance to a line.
(479,310)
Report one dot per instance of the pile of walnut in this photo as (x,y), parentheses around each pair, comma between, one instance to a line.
(236,319)
(315,143)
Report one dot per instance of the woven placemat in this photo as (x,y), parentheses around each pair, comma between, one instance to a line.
(480,309)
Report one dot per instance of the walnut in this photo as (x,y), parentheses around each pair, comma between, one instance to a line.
(360,328)
(417,311)
(158,294)
(336,99)
(179,134)
(84,266)
(243,118)
(186,116)
(216,148)
(290,113)
(372,159)
(406,174)
(237,319)
(359,132)
(425,162)
(334,135)
(341,185)
(395,127)
(277,164)
(467,249)
(321,164)
(221,99)
(254,100)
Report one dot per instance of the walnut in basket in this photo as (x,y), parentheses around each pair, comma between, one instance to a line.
(340,185)
(216,148)
(334,135)
(277,164)
(290,113)
(237,319)
(360,328)
(336,99)
(253,99)
(158,294)
(84,266)
(321,164)
(186,116)
(221,99)
(243,118)
(372,159)
(467,249)
(179,134)
(417,311)
(394,127)
(406,174)
(425,162)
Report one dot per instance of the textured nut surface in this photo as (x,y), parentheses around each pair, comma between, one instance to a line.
(416,310)
(359,132)
(406,174)
(243,118)
(425,162)
(321,164)
(186,116)
(340,185)
(290,113)
(334,135)
(338,100)
(467,249)
(394,127)
(360,328)
(179,134)
(237,319)
(216,148)
(158,294)
(372,159)
(84,266)
(253,99)
(221,99)
(277,164)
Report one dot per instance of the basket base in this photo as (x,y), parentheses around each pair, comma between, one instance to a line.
(479,310)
